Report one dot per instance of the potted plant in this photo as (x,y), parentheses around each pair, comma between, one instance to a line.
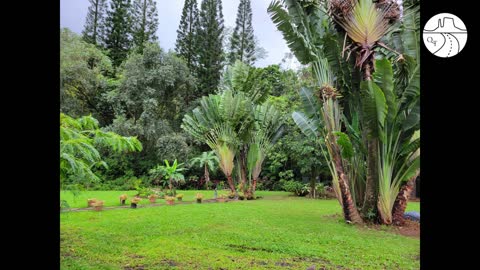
(179,197)
(152,198)
(123,198)
(199,197)
(98,205)
(134,202)
(170,200)
(231,195)
(221,198)
(90,202)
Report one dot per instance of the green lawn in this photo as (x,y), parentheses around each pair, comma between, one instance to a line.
(277,232)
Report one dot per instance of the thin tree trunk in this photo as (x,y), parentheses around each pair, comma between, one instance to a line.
(230,183)
(312,187)
(371,185)
(243,171)
(350,210)
(207,176)
(401,201)
(254,186)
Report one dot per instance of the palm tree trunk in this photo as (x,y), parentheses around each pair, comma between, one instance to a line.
(371,186)
(401,201)
(207,176)
(350,210)
(170,185)
(230,183)
(243,171)
(254,186)
(312,187)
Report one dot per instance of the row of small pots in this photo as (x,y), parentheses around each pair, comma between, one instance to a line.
(98,204)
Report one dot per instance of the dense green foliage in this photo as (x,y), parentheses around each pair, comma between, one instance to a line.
(272,233)
(149,103)
(148,99)
(151,90)
(83,77)
(367,123)
(238,125)
(242,42)
(79,140)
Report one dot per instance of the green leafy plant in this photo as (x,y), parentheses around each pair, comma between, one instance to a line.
(78,153)
(295,187)
(208,161)
(172,173)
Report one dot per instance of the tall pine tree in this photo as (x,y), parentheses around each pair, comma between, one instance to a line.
(94,23)
(242,42)
(186,34)
(209,43)
(118,29)
(145,22)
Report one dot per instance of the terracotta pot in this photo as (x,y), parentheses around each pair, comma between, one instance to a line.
(98,208)
(170,202)
(90,202)
(152,200)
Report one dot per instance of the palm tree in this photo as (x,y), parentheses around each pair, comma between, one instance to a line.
(268,129)
(207,160)
(230,122)
(383,114)
(301,26)
(366,23)
(217,122)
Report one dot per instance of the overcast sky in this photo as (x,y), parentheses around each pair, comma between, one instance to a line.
(73,13)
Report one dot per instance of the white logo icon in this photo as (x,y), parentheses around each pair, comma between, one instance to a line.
(445,35)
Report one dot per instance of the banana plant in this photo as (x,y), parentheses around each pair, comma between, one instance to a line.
(172,173)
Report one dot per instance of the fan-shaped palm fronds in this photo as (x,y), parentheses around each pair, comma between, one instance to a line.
(365,23)
(208,161)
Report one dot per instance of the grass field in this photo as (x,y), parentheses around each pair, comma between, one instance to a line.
(276,232)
